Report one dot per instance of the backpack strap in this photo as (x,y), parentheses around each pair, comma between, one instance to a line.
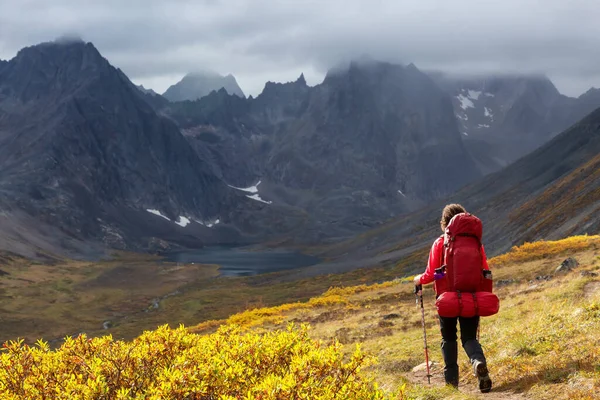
(476,305)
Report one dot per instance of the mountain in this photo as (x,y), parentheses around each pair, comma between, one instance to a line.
(147,91)
(83,156)
(549,194)
(194,86)
(585,104)
(368,143)
(504,117)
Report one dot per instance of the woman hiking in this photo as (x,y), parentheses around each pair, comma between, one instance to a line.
(468,326)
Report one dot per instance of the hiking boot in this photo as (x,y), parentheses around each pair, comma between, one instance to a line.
(481,371)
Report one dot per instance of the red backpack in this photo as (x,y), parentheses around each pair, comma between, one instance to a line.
(462,253)
(466,292)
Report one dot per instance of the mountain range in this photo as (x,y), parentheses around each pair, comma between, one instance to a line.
(89,161)
(368,142)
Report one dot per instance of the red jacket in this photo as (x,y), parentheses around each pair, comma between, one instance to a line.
(435,261)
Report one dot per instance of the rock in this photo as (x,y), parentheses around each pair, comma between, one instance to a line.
(532,288)
(589,273)
(423,366)
(385,324)
(504,282)
(543,278)
(568,265)
(391,316)
(107,324)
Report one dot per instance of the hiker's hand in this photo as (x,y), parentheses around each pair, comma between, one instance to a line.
(418,286)
(417,280)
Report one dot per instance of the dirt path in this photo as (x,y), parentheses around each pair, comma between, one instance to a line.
(466,386)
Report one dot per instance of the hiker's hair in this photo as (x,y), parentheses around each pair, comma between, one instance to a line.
(450,211)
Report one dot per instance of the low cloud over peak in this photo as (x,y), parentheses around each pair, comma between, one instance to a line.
(156,42)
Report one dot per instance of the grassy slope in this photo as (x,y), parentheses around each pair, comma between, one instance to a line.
(543,344)
(53,301)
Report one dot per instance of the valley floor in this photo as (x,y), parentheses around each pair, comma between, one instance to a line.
(132,293)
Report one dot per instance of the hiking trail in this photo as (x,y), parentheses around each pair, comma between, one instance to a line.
(467,386)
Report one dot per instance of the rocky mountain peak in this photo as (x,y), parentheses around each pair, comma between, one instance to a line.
(51,68)
(147,91)
(592,93)
(280,100)
(301,80)
(196,85)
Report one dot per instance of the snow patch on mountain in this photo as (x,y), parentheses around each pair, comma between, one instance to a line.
(257,198)
(156,212)
(211,224)
(183,221)
(465,102)
(208,224)
(473,94)
(250,189)
(488,113)
(254,190)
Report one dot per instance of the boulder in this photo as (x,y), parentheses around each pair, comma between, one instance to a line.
(567,266)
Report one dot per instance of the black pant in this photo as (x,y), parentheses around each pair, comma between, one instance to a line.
(468,337)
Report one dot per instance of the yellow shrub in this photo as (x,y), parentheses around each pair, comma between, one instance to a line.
(542,249)
(350,290)
(175,364)
(327,300)
(274,315)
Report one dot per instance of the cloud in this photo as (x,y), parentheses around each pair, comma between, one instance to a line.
(157,41)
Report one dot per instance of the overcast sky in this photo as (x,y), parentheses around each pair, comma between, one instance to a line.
(155,42)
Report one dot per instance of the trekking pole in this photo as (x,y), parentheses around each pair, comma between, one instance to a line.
(419,288)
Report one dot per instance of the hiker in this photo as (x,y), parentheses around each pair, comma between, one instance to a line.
(468,326)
